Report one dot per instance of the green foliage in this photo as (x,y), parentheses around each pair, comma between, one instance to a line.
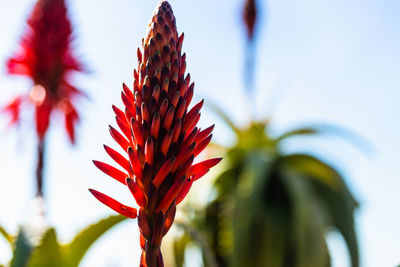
(21,251)
(273,209)
(50,253)
(85,239)
(6,235)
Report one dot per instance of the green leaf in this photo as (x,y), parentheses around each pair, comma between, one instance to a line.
(179,249)
(331,191)
(48,253)
(297,132)
(84,240)
(225,118)
(22,250)
(6,235)
(351,137)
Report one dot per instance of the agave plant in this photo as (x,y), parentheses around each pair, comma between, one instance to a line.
(48,252)
(272,209)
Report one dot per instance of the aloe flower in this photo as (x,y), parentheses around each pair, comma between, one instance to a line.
(45,56)
(159,135)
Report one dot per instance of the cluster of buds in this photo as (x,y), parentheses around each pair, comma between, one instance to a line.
(46,58)
(159,135)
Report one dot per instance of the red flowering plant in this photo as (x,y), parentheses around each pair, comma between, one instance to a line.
(46,57)
(159,135)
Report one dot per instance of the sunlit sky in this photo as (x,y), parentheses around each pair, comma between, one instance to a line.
(335,62)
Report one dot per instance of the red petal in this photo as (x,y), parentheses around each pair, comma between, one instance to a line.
(42,119)
(166,142)
(128,104)
(184,191)
(171,195)
(115,205)
(190,121)
(136,192)
(120,114)
(188,140)
(183,156)
(145,112)
(185,167)
(163,108)
(119,138)
(168,118)
(71,117)
(181,109)
(135,163)
(197,176)
(149,151)
(196,107)
(155,125)
(203,144)
(203,166)
(163,172)
(177,130)
(137,133)
(189,94)
(124,127)
(111,171)
(203,134)
(118,158)
(128,93)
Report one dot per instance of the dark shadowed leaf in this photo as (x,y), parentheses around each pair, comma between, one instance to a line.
(22,250)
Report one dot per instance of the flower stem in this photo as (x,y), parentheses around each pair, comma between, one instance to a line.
(39,168)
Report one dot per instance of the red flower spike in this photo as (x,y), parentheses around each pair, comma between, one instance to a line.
(111,171)
(164,139)
(114,205)
(46,57)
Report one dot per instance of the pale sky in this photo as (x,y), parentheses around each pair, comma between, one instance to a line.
(319,61)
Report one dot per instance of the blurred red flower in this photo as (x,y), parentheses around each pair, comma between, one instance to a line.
(159,135)
(45,56)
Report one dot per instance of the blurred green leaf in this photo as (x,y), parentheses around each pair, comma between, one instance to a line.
(179,249)
(22,250)
(6,235)
(297,132)
(82,242)
(217,110)
(48,252)
(274,210)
